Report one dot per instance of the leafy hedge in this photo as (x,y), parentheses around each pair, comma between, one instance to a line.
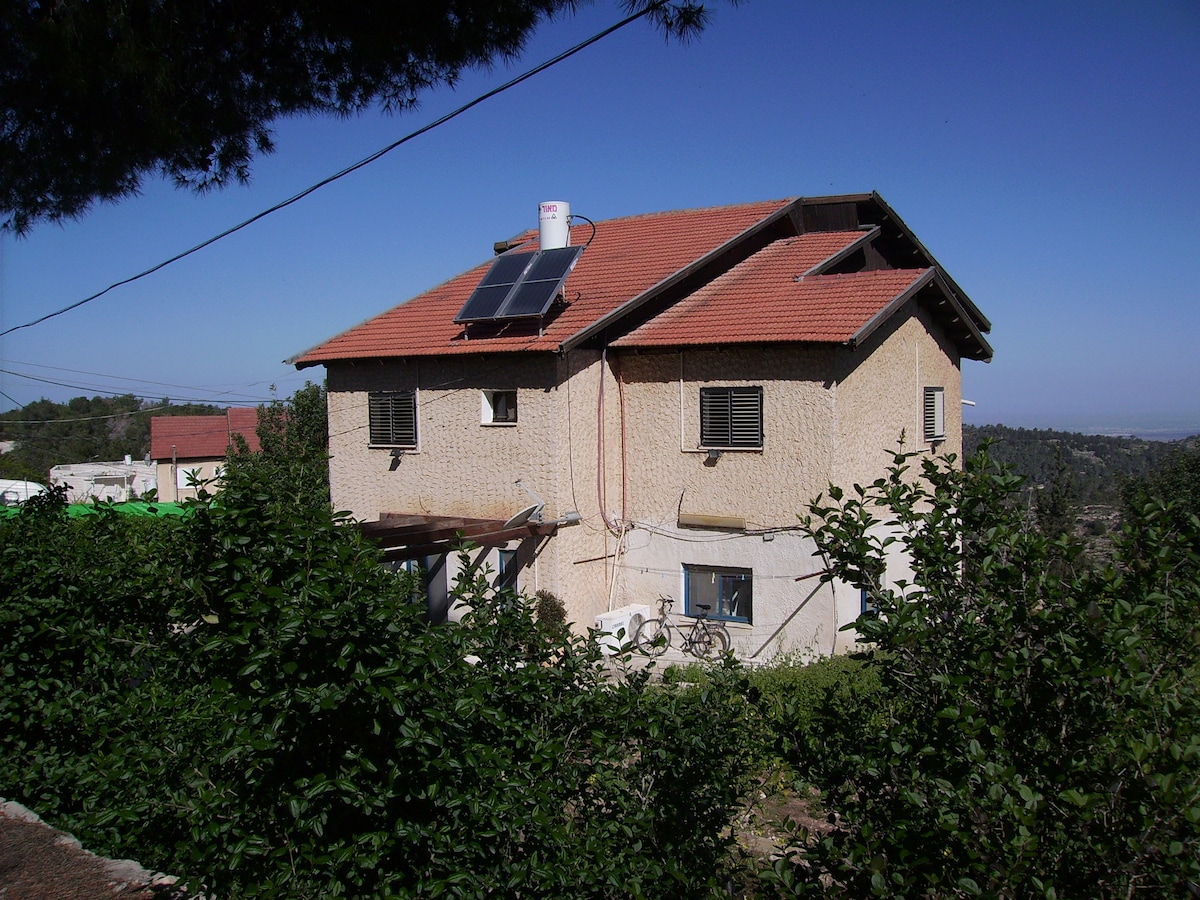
(816,713)
(246,697)
(1042,730)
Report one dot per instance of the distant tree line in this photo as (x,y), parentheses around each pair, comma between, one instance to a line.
(101,429)
(1099,467)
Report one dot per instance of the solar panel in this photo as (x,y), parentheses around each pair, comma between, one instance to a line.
(519,285)
(540,283)
(485,301)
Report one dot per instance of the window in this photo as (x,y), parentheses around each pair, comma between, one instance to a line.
(935,413)
(188,477)
(506,577)
(499,407)
(727,592)
(869,591)
(866,603)
(393,417)
(731,418)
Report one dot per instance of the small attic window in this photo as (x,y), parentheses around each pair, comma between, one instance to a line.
(499,408)
(935,413)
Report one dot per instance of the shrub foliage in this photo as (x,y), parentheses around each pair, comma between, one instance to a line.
(246,697)
(1041,736)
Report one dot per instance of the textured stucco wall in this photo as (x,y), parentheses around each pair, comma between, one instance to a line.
(172,483)
(461,465)
(881,395)
(829,414)
(667,475)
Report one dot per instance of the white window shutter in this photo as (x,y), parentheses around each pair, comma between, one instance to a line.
(935,413)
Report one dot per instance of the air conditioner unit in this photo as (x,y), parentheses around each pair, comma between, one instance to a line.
(618,626)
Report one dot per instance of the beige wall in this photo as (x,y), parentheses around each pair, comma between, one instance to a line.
(173,482)
(881,396)
(829,414)
(464,466)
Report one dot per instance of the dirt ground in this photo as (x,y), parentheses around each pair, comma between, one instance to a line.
(38,862)
(763,829)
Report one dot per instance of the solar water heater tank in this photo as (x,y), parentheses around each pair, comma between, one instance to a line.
(554,224)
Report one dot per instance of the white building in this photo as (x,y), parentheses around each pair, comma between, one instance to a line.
(14,492)
(112,481)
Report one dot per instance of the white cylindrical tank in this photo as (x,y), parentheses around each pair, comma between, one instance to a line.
(554,224)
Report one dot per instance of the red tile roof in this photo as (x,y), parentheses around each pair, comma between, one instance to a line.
(634,270)
(627,257)
(202,437)
(768,299)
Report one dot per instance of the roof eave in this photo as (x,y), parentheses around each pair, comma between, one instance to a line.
(979,321)
(834,259)
(937,277)
(872,324)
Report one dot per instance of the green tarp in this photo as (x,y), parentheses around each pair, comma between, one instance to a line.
(132,508)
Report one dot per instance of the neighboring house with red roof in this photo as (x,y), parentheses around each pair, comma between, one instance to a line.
(191,449)
(695,381)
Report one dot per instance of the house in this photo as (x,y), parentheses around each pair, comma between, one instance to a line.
(13,492)
(190,449)
(117,482)
(642,407)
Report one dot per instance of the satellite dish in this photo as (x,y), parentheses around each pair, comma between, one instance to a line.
(523,516)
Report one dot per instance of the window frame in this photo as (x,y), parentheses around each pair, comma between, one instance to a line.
(726,428)
(508,565)
(489,407)
(375,429)
(720,610)
(933,413)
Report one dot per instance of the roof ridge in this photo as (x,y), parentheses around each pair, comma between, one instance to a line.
(834,276)
(779,202)
(532,233)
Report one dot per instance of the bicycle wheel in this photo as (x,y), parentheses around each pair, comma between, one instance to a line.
(719,638)
(699,644)
(653,637)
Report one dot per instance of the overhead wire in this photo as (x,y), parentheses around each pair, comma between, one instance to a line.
(525,76)
(120,415)
(220,397)
(183,387)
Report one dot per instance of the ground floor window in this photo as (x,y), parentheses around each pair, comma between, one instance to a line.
(506,577)
(869,591)
(727,592)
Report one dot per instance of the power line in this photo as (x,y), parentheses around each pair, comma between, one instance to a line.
(235,390)
(120,415)
(566,54)
(186,387)
(79,387)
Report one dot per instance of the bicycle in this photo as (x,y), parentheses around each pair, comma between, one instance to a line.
(654,636)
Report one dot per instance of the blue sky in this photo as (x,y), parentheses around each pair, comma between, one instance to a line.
(1047,154)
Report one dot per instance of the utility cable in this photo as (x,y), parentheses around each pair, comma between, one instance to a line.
(566,54)
(226,394)
(140,386)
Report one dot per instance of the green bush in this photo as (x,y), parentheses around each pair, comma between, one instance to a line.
(816,713)
(1042,736)
(246,697)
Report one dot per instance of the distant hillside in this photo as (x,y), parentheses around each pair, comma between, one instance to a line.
(1099,465)
(46,434)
